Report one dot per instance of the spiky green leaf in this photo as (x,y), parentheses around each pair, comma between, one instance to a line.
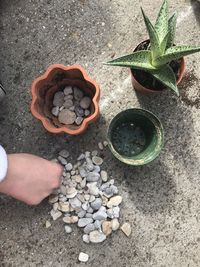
(164,43)
(137,60)
(174,53)
(172,29)
(167,77)
(161,25)
(155,49)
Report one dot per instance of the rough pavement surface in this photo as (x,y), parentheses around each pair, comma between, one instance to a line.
(161,200)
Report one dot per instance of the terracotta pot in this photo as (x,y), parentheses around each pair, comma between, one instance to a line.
(55,78)
(139,87)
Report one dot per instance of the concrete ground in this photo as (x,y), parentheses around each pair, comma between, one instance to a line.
(161,200)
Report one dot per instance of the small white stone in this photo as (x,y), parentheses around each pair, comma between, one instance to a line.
(67,97)
(64,206)
(63,190)
(79,120)
(53,199)
(126,228)
(97,160)
(96,236)
(115,224)
(68,104)
(62,160)
(86,239)
(68,167)
(55,206)
(94,153)
(92,198)
(107,227)
(78,94)
(81,157)
(47,224)
(87,154)
(104,176)
(70,219)
(83,183)
(66,117)
(72,108)
(55,111)
(81,214)
(85,102)
(93,189)
(68,229)
(105,143)
(55,214)
(100,215)
(87,197)
(68,90)
(58,99)
(82,222)
(61,108)
(100,145)
(87,112)
(89,228)
(96,204)
(85,206)
(75,202)
(71,192)
(83,257)
(114,201)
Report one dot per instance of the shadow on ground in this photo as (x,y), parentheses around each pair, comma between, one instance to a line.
(196,9)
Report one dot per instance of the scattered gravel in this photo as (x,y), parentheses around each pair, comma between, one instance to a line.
(126,228)
(71,106)
(87,197)
(115,224)
(47,224)
(86,238)
(96,236)
(83,257)
(68,229)
(100,145)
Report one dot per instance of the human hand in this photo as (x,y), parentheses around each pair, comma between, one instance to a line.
(30,178)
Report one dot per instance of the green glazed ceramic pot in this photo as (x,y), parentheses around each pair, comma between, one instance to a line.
(135,136)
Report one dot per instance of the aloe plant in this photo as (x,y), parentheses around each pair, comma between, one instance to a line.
(161,50)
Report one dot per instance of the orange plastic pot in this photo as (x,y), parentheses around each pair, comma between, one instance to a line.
(139,87)
(55,78)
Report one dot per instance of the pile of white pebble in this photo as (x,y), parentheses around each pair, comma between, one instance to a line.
(87,197)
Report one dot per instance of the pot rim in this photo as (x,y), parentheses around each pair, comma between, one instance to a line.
(45,121)
(159,130)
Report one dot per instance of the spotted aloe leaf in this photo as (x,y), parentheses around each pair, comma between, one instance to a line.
(155,48)
(137,60)
(163,44)
(172,29)
(174,53)
(167,77)
(161,25)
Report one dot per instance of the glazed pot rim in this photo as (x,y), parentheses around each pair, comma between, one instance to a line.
(159,130)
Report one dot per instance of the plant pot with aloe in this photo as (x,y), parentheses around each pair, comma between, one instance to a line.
(157,63)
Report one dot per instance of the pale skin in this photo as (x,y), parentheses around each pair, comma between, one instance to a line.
(30,178)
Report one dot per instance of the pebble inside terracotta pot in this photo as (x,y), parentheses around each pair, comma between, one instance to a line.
(71,105)
(65,99)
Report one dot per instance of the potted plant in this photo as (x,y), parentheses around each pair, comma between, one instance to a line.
(135,136)
(157,63)
(65,99)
